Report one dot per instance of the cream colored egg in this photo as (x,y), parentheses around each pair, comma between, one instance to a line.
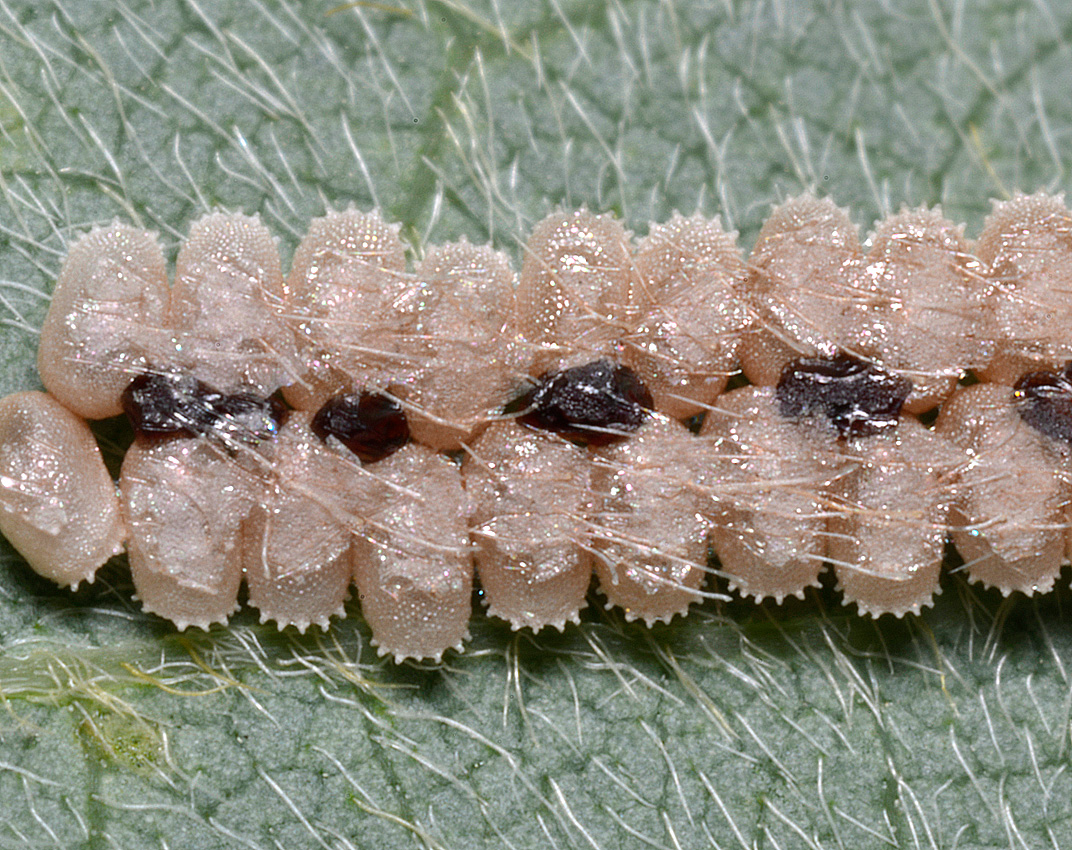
(801,273)
(923,309)
(413,567)
(887,538)
(108,320)
(185,500)
(469,363)
(297,543)
(650,523)
(689,316)
(574,289)
(353,307)
(531,496)
(58,504)
(771,478)
(1009,514)
(226,306)
(1026,244)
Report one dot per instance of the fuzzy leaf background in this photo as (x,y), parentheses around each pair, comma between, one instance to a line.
(740,727)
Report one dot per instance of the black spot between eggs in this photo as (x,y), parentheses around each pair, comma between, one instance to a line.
(1044,401)
(370,425)
(164,404)
(858,398)
(597,402)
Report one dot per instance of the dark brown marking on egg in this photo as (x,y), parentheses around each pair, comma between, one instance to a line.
(1044,401)
(597,402)
(371,425)
(857,397)
(163,404)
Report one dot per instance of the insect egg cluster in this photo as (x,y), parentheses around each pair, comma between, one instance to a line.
(406,430)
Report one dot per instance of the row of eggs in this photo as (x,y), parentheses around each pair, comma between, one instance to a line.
(782,476)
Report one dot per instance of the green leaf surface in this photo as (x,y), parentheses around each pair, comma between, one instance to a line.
(739,727)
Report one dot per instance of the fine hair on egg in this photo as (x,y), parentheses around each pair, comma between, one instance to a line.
(664,415)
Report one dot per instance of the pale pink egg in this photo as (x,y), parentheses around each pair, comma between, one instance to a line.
(1026,245)
(922,308)
(531,493)
(1009,517)
(412,565)
(801,272)
(649,526)
(771,478)
(58,505)
(887,538)
(297,542)
(574,290)
(688,316)
(185,500)
(469,361)
(227,304)
(353,307)
(108,321)
(915,304)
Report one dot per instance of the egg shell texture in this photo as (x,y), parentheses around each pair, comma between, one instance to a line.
(469,362)
(650,523)
(297,542)
(453,340)
(413,567)
(1026,244)
(352,305)
(574,289)
(185,501)
(227,305)
(108,320)
(771,479)
(922,309)
(887,540)
(802,270)
(688,316)
(1009,512)
(58,505)
(531,495)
